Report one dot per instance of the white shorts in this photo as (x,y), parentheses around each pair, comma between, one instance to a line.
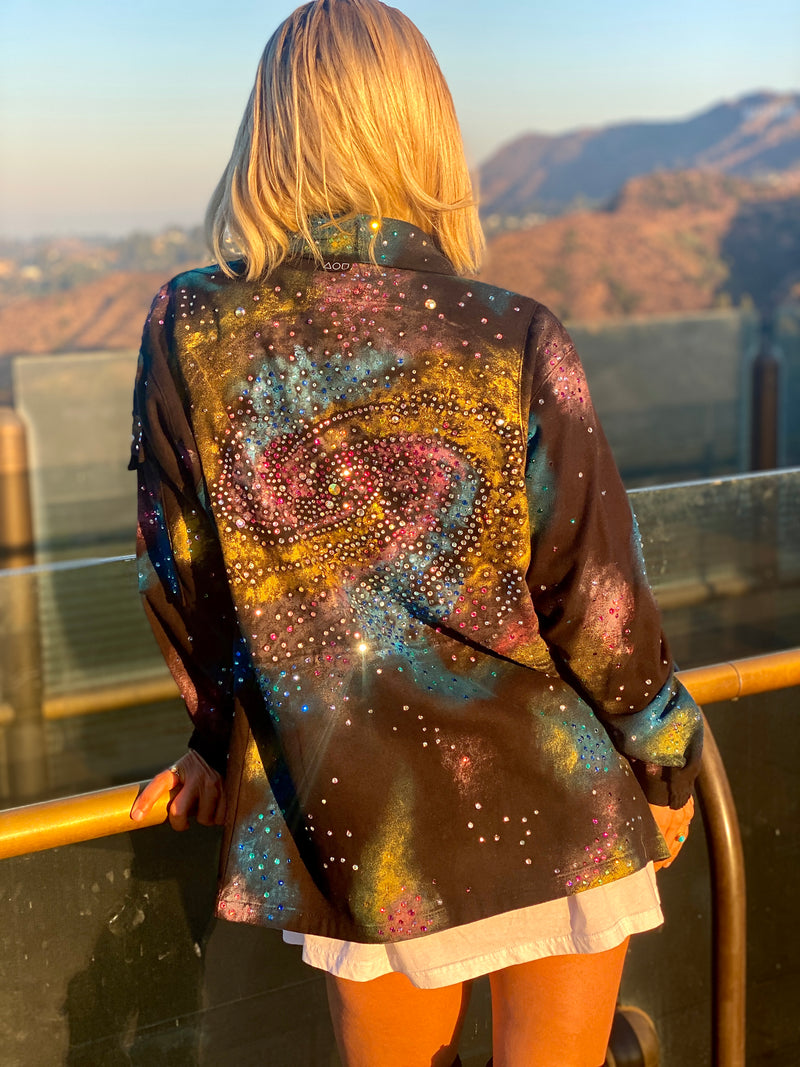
(592,921)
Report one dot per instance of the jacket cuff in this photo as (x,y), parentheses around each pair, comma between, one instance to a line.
(213,751)
(666,787)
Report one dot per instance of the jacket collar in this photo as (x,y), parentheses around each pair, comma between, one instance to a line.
(396,244)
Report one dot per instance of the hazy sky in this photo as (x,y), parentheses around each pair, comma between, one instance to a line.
(116,116)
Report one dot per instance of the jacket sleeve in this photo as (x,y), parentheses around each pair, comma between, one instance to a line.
(587,579)
(182,575)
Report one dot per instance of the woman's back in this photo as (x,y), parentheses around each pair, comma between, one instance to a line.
(370,443)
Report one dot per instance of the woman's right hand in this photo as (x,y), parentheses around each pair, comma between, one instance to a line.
(201,793)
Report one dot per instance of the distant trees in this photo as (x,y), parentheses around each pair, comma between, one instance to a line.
(51,265)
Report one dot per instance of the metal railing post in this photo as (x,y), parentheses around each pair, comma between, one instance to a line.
(21,651)
(728,894)
(765,400)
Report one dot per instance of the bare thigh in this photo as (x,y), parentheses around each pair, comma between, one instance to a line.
(388,1022)
(557,1011)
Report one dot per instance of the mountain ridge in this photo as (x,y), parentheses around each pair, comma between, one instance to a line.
(753,135)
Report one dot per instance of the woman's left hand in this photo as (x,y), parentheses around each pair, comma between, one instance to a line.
(674,826)
(201,793)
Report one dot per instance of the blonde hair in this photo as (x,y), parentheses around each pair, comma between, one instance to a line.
(349,114)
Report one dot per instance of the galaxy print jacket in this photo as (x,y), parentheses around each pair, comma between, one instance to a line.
(387,555)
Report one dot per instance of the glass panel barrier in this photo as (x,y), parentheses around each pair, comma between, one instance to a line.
(724,559)
(85,700)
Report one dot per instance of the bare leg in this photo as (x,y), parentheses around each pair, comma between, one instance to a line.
(557,1011)
(388,1022)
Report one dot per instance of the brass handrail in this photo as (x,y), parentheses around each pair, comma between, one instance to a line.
(743,677)
(155,688)
(35,827)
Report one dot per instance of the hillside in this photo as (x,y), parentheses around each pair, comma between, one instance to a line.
(106,313)
(756,135)
(669,243)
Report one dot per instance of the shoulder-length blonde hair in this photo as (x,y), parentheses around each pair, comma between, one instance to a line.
(349,114)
